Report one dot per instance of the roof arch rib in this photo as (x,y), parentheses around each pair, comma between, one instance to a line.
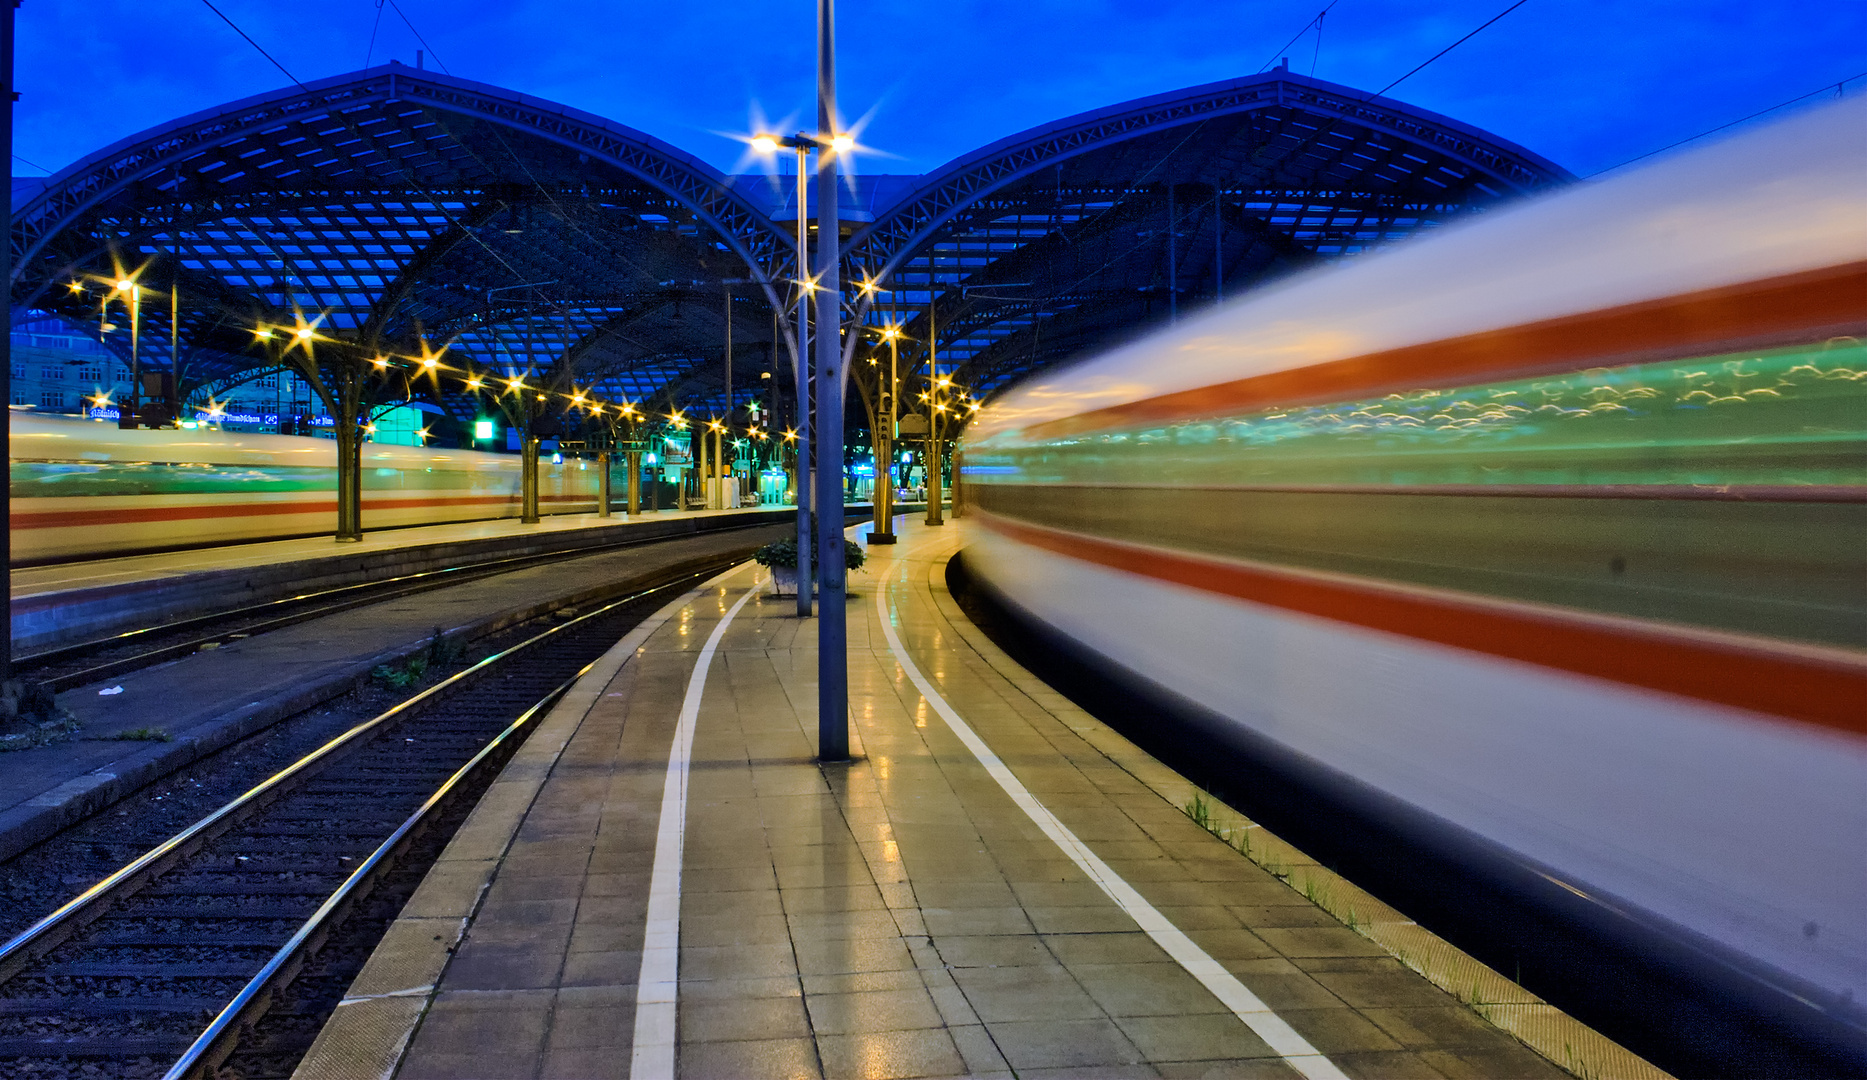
(952,189)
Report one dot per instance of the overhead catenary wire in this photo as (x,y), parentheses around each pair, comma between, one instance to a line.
(1448,48)
(375,25)
(1837,87)
(1294,37)
(424,41)
(254,44)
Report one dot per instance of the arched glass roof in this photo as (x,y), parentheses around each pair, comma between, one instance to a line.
(396,212)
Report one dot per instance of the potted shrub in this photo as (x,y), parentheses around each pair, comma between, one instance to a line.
(781,556)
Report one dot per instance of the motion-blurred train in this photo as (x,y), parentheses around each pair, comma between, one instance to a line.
(82,488)
(1549,528)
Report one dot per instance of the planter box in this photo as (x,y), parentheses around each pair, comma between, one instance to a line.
(784,581)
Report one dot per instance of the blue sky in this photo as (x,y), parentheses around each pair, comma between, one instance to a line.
(1587,83)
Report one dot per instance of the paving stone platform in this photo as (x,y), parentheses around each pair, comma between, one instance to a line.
(664,882)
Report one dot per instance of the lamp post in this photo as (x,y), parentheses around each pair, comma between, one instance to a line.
(832,622)
(800,367)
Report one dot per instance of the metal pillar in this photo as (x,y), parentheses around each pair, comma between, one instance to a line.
(1173,260)
(634,458)
(832,628)
(7,13)
(931,466)
(602,484)
(884,497)
(349,433)
(1218,244)
(528,477)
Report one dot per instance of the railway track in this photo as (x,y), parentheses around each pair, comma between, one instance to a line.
(81,663)
(163,967)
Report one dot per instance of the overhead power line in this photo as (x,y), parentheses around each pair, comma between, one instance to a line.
(1825,87)
(418,37)
(1449,48)
(254,44)
(1298,34)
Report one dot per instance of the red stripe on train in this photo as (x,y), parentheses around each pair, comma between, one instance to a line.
(1788,310)
(1824,687)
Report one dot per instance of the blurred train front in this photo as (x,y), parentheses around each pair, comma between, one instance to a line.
(1548,529)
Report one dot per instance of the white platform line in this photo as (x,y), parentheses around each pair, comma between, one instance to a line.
(1258,1016)
(658,989)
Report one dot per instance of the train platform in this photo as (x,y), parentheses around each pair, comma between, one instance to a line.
(139,725)
(664,882)
(62,602)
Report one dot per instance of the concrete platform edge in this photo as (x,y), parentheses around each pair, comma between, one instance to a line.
(372,1026)
(32,821)
(1558,1037)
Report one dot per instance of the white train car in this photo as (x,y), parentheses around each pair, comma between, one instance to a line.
(84,489)
(1550,526)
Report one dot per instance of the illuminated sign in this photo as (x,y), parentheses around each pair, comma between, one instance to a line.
(482,429)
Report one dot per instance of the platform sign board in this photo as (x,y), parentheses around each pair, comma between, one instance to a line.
(914,424)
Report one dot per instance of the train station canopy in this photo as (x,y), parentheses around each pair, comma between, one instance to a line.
(396,216)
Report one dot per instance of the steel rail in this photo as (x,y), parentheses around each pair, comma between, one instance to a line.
(251,993)
(18,950)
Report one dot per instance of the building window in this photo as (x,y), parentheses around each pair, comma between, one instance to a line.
(90,374)
(19,372)
(52,399)
(19,398)
(52,373)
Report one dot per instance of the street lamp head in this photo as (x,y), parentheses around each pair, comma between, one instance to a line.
(765,144)
(125,284)
(843,144)
(429,362)
(305,332)
(380,362)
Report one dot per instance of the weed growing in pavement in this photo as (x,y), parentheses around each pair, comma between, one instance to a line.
(401,678)
(1200,810)
(1577,1065)
(441,653)
(140,734)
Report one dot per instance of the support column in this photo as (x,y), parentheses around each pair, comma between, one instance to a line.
(932,466)
(528,477)
(703,471)
(884,480)
(602,484)
(832,617)
(349,453)
(634,458)
(6,355)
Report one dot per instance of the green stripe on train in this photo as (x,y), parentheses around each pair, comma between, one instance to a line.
(1790,417)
